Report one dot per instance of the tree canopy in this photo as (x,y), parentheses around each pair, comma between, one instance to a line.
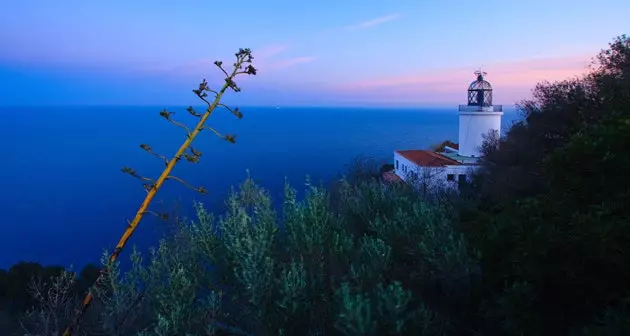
(552,221)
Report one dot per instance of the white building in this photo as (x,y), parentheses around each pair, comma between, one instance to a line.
(453,165)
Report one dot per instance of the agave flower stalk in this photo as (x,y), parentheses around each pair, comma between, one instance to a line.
(241,66)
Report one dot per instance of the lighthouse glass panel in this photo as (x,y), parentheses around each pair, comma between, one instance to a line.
(480,92)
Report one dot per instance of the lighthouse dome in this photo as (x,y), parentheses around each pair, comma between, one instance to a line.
(480,91)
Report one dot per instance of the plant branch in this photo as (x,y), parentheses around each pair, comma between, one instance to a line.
(242,56)
(167,115)
(133,173)
(161,216)
(228,137)
(149,150)
(194,113)
(235,111)
(219,64)
(148,186)
(188,185)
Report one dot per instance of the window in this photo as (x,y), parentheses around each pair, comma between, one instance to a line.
(396,164)
(463,182)
(450,177)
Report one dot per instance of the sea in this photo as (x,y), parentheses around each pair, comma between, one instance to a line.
(65,199)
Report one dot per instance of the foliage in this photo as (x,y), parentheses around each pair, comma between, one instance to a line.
(388,167)
(37,296)
(552,217)
(305,272)
(308,270)
(14,294)
(557,112)
(440,147)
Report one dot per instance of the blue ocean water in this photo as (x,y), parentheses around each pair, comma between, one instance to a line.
(64,198)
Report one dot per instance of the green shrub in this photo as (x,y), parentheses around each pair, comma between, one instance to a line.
(387,263)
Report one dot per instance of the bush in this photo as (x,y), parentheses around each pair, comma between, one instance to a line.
(386,263)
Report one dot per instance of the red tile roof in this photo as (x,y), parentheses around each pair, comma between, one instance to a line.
(427,158)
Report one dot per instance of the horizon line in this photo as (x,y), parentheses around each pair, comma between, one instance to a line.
(406,106)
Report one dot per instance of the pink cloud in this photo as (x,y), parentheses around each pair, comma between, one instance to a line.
(268,51)
(512,81)
(374,22)
(265,60)
(286,63)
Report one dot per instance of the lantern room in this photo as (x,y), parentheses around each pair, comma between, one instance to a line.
(480,91)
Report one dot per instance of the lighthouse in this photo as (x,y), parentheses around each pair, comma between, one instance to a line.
(453,164)
(477,118)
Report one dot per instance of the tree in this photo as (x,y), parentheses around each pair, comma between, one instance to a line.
(557,111)
(551,223)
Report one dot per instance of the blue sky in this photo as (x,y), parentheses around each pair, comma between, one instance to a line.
(309,53)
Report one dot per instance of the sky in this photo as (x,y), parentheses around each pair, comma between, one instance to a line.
(309,53)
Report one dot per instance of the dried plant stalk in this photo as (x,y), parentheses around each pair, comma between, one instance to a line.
(241,66)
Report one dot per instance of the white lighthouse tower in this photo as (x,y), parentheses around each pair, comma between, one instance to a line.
(452,165)
(478,117)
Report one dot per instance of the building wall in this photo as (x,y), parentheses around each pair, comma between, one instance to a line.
(457,173)
(472,127)
(403,167)
(430,177)
(446,176)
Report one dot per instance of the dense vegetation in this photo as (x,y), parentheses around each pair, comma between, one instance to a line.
(536,245)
